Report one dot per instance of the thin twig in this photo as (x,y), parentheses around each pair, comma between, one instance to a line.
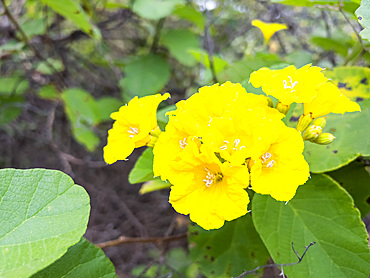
(340,7)
(300,258)
(127,240)
(210,46)
(28,42)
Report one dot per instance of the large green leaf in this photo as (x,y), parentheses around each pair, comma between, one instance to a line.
(356,180)
(227,251)
(83,259)
(352,140)
(352,81)
(155,9)
(146,75)
(143,169)
(363,16)
(322,212)
(190,13)
(72,10)
(179,42)
(42,213)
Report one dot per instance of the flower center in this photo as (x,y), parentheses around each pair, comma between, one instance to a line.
(235,145)
(211,177)
(291,86)
(266,160)
(133,131)
(183,143)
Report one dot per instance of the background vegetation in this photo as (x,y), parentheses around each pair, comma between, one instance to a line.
(65,65)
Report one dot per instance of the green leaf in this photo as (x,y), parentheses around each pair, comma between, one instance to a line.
(363,16)
(191,14)
(348,5)
(353,82)
(14,85)
(83,259)
(240,71)
(338,45)
(202,57)
(322,212)
(143,169)
(50,66)
(179,42)
(153,185)
(10,107)
(155,9)
(72,10)
(42,213)
(227,251)
(356,180)
(82,112)
(106,106)
(32,27)
(11,46)
(352,140)
(49,92)
(146,75)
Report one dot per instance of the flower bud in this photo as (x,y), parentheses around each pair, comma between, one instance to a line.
(282,108)
(324,139)
(312,132)
(320,122)
(270,103)
(154,135)
(303,122)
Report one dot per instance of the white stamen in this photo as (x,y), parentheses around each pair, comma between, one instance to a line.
(209,178)
(270,164)
(236,142)
(292,84)
(183,143)
(266,156)
(224,147)
(133,131)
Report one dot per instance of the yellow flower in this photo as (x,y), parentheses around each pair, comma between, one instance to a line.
(329,99)
(268,29)
(289,85)
(132,127)
(192,116)
(281,167)
(210,191)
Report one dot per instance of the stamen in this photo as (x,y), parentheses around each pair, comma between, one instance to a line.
(266,156)
(270,164)
(236,142)
(292,84)
(209,178)
(133,131)
(224,147)
(183,143)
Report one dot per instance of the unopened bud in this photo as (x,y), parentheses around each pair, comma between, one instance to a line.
(320,122)
(154,135)
(303,122)
(312,132)
(324,139)
(282,108)
(270,103)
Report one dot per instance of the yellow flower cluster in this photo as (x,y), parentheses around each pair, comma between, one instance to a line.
(219,142)
(223,140)
(306,85)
